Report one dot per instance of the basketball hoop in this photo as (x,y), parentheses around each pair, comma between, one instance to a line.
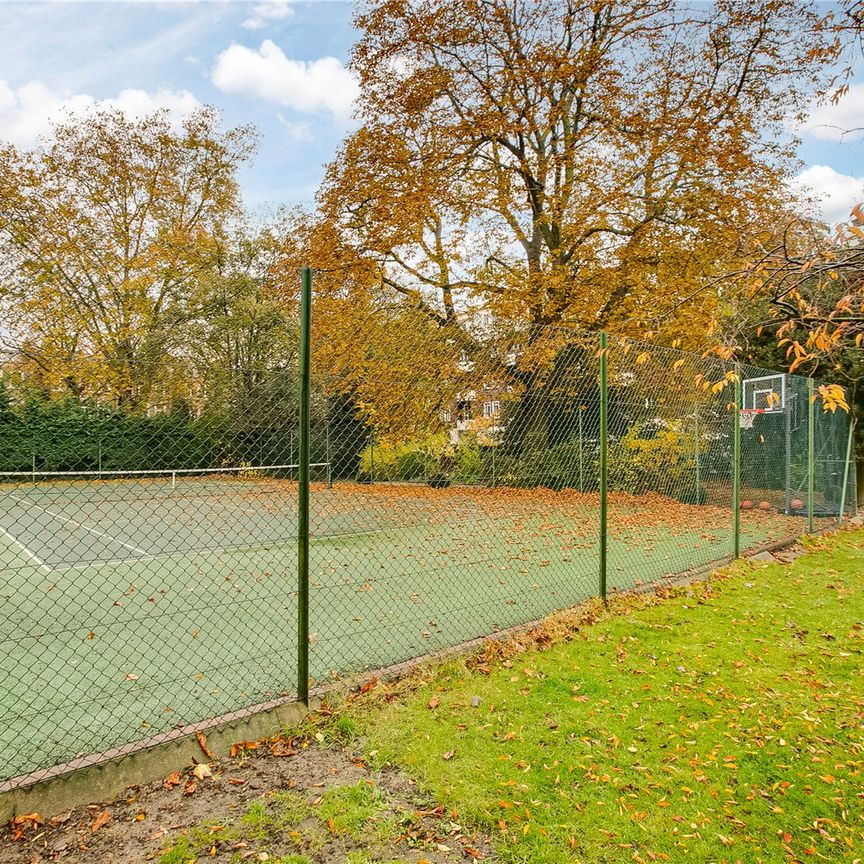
(746,416)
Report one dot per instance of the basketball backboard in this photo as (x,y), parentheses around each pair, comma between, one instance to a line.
(767,394)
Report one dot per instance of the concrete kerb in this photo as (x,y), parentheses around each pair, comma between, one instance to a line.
(104,776)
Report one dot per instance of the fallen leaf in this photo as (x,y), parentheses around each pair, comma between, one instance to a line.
(20,824)
(244,745)
(101,820)
(277,748)
(190,788)
(448,755)
(434,702)
(202,743)
(172,780)
(201,771)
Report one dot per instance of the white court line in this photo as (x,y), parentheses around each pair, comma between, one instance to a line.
(25,550)
(191,550)
(74,522)
(277,543)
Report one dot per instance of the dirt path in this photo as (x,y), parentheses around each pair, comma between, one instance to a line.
(281,802)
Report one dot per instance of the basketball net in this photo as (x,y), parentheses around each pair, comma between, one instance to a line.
(746,416)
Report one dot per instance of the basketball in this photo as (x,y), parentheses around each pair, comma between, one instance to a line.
(764,505)
(747,505)
(796,504)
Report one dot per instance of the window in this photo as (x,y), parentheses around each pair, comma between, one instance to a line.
(447,416)
(491,409)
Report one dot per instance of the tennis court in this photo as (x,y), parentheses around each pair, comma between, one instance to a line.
(131,605)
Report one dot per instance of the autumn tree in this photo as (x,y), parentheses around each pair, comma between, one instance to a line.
(110,231)
(567,161)
(242,327)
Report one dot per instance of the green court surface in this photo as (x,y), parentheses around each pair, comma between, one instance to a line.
(128,610)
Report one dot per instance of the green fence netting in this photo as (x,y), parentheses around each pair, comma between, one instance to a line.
(148,535)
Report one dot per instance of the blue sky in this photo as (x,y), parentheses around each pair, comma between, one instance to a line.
(279,64)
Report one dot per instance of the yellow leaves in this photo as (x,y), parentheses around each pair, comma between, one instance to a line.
(833,396)
(644,357)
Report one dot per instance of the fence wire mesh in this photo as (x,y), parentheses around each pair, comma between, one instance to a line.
(148,534)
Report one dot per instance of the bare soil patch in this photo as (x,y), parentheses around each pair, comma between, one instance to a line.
(279,801)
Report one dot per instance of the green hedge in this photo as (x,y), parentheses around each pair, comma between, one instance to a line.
(66,435)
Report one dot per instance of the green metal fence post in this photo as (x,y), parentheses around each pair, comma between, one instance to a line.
(303,490)
(846,466)
(698,499)
(736,463)
(581,480)
(604,444)
(811,450)
(327,447)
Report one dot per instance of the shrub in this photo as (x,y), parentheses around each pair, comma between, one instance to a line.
(558,467)
(651,458)
(414,459)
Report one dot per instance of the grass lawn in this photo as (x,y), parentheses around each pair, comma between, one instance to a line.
(722,723)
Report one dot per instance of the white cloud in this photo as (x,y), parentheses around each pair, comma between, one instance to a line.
(297,131)
(836,194)
(264,13)
(841,122)
(27,112)
(323,84)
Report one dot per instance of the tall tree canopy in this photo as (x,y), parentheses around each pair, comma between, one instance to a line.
(107,233)
(576,161)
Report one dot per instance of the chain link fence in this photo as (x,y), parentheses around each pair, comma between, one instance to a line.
(466,475)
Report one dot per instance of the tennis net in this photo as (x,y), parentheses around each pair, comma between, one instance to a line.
(158,482)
